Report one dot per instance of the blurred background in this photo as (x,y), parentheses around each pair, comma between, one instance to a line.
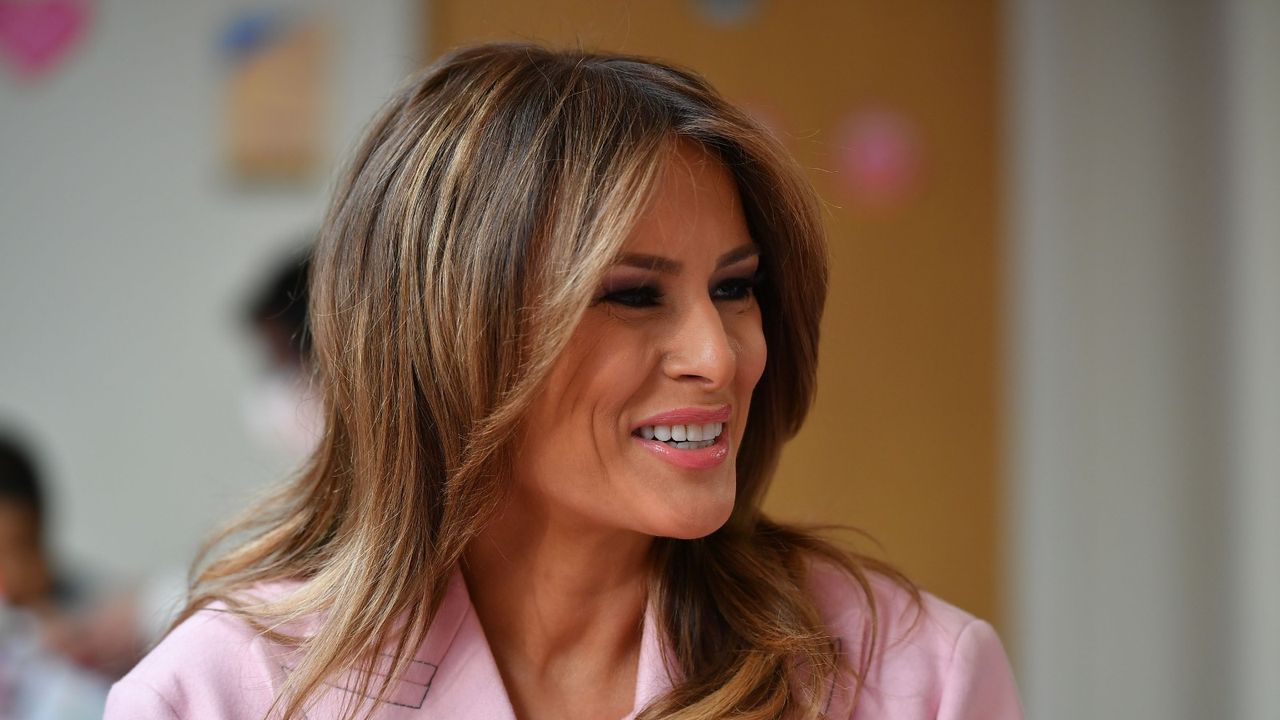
(1050,378)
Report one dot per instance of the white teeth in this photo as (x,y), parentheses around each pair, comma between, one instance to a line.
(685,437)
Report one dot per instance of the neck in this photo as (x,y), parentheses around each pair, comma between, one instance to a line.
(551,589)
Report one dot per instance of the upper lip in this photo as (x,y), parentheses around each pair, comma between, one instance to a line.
(689,416)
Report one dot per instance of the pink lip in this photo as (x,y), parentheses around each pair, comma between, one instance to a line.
(700,459)
(690,415)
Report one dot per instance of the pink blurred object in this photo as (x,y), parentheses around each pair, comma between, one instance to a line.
(879,157)
(36,34)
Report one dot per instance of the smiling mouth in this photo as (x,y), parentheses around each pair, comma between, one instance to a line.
(693,436)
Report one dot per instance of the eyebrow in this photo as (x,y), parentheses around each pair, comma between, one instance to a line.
(667,266)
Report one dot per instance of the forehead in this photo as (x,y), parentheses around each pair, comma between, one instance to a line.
(694,205)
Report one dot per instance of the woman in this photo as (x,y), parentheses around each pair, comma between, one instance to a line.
(565,314)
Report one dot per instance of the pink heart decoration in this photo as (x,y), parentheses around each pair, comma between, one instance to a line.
(879,156)
(36,34)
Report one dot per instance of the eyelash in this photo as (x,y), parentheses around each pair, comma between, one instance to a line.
(643,296)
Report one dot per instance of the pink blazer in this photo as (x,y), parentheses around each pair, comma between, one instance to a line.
(944,664)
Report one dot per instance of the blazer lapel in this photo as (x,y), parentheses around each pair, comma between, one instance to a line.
(653,677)
(466,683)
(462,681)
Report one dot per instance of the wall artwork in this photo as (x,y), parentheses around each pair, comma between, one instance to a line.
(276,96)
(36,36)
(878,157)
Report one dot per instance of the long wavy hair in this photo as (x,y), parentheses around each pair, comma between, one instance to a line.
(463,244)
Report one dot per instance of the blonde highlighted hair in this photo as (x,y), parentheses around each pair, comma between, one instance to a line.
(462,245)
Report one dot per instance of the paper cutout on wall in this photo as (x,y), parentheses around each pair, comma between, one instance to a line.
(879,157)
(276,96)
(36,35)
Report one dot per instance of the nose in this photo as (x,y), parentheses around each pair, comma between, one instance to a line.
(699,349)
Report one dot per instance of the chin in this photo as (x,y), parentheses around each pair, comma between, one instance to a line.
(693,520)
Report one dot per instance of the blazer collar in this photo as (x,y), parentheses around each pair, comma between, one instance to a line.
(454,674)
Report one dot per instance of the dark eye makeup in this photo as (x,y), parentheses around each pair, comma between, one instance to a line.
(647,295)
(635,297)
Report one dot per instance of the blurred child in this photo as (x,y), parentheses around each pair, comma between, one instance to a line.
(37,681)
(281,411)
(26,579)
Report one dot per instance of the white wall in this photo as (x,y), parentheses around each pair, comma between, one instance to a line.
(1252,134)
(124,259)
(1145,256)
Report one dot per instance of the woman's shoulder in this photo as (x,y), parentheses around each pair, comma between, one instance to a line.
(903,614)
(929,659)
(213,664)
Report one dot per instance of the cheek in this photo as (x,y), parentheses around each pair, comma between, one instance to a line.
(590,385)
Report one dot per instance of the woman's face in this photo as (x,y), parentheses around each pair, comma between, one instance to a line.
(640,422)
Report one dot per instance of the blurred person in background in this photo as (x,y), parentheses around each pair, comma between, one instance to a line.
(282,410)
(38,680)
(104,628)
(109,632)
(27,579)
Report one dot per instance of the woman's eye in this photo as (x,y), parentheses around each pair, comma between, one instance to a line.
(737,288)
(635,297)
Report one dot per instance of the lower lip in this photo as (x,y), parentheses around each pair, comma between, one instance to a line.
(700,459)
